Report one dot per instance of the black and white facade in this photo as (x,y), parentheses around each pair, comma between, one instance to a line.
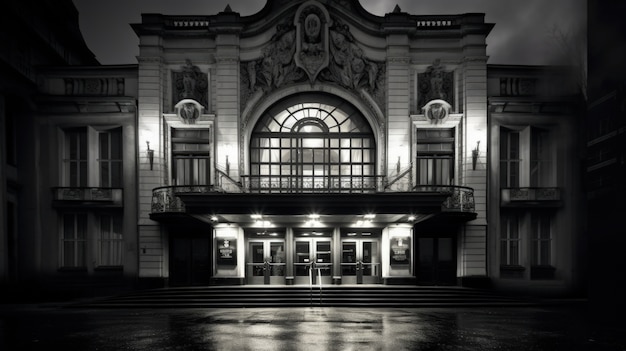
(310,142)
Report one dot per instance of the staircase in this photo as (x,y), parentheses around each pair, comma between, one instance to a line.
(303,296)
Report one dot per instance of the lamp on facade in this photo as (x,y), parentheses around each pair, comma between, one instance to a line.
(475,153)
(150,155)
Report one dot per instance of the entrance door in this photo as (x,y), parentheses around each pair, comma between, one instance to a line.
(316,254)
(265,262)
(360,261)
(436,261)
(190,262)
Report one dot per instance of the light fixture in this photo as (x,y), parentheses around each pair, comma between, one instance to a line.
(150,155)
(411,218)
(369,216)
(475,153)
(214,218)
(256,216)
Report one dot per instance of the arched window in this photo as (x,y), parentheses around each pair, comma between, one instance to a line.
(313,143)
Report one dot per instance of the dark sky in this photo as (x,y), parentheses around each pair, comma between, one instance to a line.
(524,31)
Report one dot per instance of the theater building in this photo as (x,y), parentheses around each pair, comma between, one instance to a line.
(311,142)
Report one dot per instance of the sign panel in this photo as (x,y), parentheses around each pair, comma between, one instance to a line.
(227,251)
(400,251)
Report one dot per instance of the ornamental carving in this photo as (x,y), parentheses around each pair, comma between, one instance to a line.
(435,84)
(347,66)
(188,110)
(311,23)
(437,110)
(190,83)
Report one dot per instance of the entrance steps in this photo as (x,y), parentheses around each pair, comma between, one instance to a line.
(304,296)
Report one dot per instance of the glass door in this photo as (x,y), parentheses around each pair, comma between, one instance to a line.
(316,254)
(266,262)
(360,261)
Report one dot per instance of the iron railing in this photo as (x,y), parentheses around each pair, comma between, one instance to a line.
(461,198)
(165,198)
(312,184)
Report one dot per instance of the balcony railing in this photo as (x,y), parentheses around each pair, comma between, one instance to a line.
(312,184)
(461,198)
(512,197)
(165,199)
(84,196)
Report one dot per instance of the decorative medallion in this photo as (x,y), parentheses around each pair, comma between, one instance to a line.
(437,110)
(188,110)
(311,23)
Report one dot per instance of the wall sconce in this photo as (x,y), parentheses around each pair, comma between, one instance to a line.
(150,155)
(475,154)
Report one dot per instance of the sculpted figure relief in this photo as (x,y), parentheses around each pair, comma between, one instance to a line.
(435,84)
(282,64)
(190,83)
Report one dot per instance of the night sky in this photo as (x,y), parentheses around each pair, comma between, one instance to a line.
(524,31)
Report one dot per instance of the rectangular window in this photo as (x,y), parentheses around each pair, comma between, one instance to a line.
(435,156)
(93,157)
(509,241)
(540,159)
(76,160)
(509,158)
(73,240)
(110,158)
(191,157)
(542,240)
(110,241)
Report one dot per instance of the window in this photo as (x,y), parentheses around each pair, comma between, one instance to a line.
(312,146)
(435,156)
(509,241)
(110,240)
(110,158)
(93,157)
(73,240)
(541,173)
(542,240)
(191,157)
(526,158)
(76,157)
(509,159)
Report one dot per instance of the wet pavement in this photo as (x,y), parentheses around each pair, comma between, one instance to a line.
(41,327)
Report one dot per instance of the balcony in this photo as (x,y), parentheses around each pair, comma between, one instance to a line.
(87,197)
(283,197)
(530,197)
(165,199)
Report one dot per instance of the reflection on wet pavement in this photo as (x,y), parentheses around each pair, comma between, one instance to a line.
(314,328)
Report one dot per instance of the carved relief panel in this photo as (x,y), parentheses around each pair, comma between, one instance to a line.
(316,47)
(435,84)
(190,83)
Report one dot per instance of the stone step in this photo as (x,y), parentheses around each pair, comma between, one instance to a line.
(263,296)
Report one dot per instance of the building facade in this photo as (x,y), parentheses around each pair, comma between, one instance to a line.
(312,142)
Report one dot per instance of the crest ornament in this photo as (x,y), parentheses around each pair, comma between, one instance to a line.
(437,110)
(312,53)
(188,110)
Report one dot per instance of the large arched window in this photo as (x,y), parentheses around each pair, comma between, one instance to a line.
(316,143)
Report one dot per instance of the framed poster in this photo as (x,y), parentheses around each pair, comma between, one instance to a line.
(400,253)
(227,251)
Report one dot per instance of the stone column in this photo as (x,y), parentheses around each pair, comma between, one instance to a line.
(152,243)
